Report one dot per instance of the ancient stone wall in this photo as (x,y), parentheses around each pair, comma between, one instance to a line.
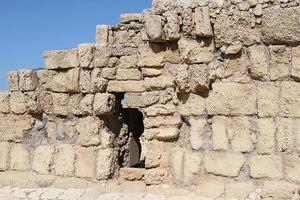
(217,83)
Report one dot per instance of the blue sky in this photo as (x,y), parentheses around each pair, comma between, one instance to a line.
(30,27)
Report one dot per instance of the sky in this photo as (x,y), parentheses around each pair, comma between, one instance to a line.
(30,27)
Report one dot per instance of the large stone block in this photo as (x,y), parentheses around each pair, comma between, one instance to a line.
(279,190)
(19,157)
(28,80)
(259,65)
(64,160)
(224,164)
(4,155)
(199,78)
(292,167)
(125,86)
(232,99)
(266,166)
(202,22)
(155,176)
(65,81)
(86,55)
(197,132)
(279,69)
(191,105)
(287,32)
(285,134)
(158,83)
(295,72)
(85,164)
(162,121)
(289,99)
(80,104)
(18,102)
(150,55)
(61,59)
(219,133)
(89,131)
(239,190)
(172,27)
(4,102)
(211,186)
(102,54)
(126,18)
(153,25)
(104,103)
(106,163)
(102,34)
(128,74)
(154,154)
(162,134)
(132,174)
(42,159)
(60,103)
(268,99)
(13,80)
(266,136)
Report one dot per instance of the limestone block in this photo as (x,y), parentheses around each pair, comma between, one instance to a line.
(240,128)
(196,51)
(161,6)
(160,109)
(89,129)
(162,121)
(128,74)
(60,103)
(64,160)
(239,190)
(13,80)
(86,55)
(191,105)
(289,100)
(85,163)
(177,164)
(109,73)
(285,135)
(258,61)
(18,102)
(81,105)
(155,176)
(197,132)
(46,102)
(224,164)
(292,167)
(279,69)
(102,55)
(106,163)
(4,156)
(266,166)
(159,83)
(128,62)
(104,103)
(126,18)
(125,86)
(19,157)
(98,83)
(106,138)
(295,73)
(132,100)
(199,78)
(65,81)
(61,59)
(219,133)
(273,190)
(192,167)
(154,154)
(28,80)
(297,135)
(153,25)
(150,55)
(232,98)
(211,186)
(12,127)
(45,78)
(286,33)
(268,99)
(172,27)
(202,22)
(43,158)
(4,102)
(266,136)
(102,34)
(132,174)
(150,98)
(163,134)
(227,31)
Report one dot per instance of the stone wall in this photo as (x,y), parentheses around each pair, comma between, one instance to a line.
(217,83)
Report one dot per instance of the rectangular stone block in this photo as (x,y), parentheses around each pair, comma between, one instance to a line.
(202,22)
(280,190)
(61,59)
(285,135)
(155,122)
(60,103)
(266,136)
(4,156)
(172,27)
(28,80)
(292,167)
(239,190)
(289,99)
(126,18)
(150,55)
(266,166)
(219,131)
(106,163)
(160,109)
(19,157)
(102,54)
(4,102)
(67,81)
(159,83)
(232,99)
(279,69)
(259,62)
(42,159)
(64,160)
(133,100)
(295,73)
(155,177)
(197,132)
(132,174)
(211,186)
(125,86)
(104,103)
(85,164)
(268,99)
(13,80)
(128,74)
(18,102)
(81,104)
(191,105)
(86,55)
(102,33)
(153,25)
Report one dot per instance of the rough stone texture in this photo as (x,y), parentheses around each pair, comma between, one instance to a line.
(61,59)
(219,131)
(4,156)
(268,99)
(64,160)
(19,157)
(4,102)
(104,104)
(42,159)
(266,136)
(266,166)
(106,160)
(289,99)
(85,163)
(280,190)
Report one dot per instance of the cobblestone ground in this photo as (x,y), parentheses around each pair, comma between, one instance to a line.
(8,193)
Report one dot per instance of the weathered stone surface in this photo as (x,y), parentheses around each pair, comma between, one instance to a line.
(150,55)
(28,80)
(162,121)
(42,159)
(85,163)
(153,158)
(279,69)
(65,81)
(202,22)
(19,157)
(268,99)
(18,102)
(130,17)
(61,59)
(197,132)
(279,190)
(219,131)
(106,163)
(89,129)
(258,61)
(191,105)
(158,83)
(287,32)
(266,136)
(64,160)
(81,105)
(163,134)
(102,55)
(153,25)
(128,74)
(266,166)
(199,78)
(285,135)
(172,27)
(125,86)
(295,72)
(102,34)
(86,55)
(128,62)
(104,103)
(292,166)
(13,80)
(60,103)
(132,174)
(289,101)
(155,176)
(4,155)
(4,102)
(239,190)
(211,186)
(214,163)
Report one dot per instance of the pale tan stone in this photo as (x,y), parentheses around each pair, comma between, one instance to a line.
(172,27)
(60,103)
(259,62)
(154,154)
(160,109)
(268,99)
(81,105)
(61,59)
(289,100)
(202,22)
(64,160)
(292,167)
(197,132)
(28,80)
(65,81)
(177,164)
(224,164)
(13,80)
(192,167)
(295,73)
(104,103)
(239,190)
(85,163)
(153,25)
(18,102)
(150,55)
(102,54)
(106,163)
(98,78)
(125,86)
(297,135)
(219,133)
(285,135)
(160,121)
(42,159)
(19,157)
(159,83)
(279,69)
(131,174)
(191,105)
(4,156)
(128,74)
(266,136)
(199,78)
(4,102)
(128,62)
(163,134)
(155,176)
(279,190)
(266,166)
(151,72)
(211,186)
(130,17)
(102,34)
(86,55)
